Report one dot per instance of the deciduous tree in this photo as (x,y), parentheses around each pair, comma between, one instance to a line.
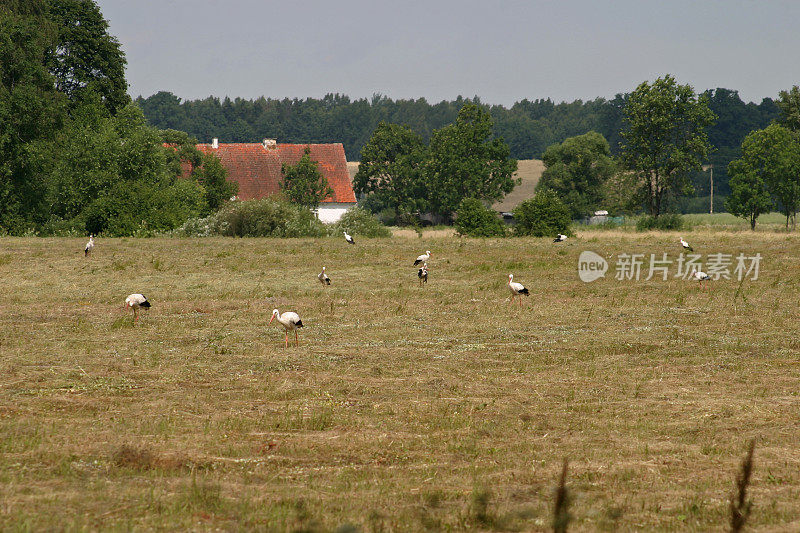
(391,169)
(303,183)
(789,104)
(772,156)
(86,58)
(749,197)
(664,139)
(577,171)
(466,162)
(31,112)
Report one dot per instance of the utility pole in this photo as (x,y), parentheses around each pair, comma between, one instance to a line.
(711,206)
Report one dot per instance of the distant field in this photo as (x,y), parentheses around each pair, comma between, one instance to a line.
(718,222)
(530,172)
(405,408)
(768,222)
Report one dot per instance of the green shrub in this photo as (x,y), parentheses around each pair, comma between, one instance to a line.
(268,217)
(544,215)
(668,222)
(358,221)
(143,209)
(476,220)
(198,227)
(57,227)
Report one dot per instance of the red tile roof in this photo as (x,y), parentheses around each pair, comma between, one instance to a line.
(257,169)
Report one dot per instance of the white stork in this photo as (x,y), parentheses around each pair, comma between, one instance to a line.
(561,238)
(323,278)
(423,258)
(422,273)
(290,322)
(135,301)
(685,245)
(89,246)
(348,238)
(700,277)
(517,289)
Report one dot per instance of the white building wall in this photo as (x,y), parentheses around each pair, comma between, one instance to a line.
(331,213)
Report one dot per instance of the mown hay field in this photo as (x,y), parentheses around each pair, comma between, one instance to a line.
(404,408)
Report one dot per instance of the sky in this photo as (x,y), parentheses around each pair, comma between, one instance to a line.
(440,49)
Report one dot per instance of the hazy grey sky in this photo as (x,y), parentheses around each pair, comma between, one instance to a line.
(439,49)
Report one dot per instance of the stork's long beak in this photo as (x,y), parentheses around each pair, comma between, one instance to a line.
(271,319)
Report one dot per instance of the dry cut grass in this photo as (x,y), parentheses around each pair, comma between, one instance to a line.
(405,408)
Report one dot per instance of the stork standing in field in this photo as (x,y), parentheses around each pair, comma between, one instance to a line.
(323,278)
(290,322)
(561,238)
(422,273)
(89,246)
(423,258)
(685,245)
(348,238)
(701,277)
(517,289)
(135,301)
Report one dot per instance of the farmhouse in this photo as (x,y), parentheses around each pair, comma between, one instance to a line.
(256,167)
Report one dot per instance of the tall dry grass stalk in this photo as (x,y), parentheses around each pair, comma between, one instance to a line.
(561,516)
(740,506)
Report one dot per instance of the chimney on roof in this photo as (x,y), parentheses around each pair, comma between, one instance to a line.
(215,143)
(270,143)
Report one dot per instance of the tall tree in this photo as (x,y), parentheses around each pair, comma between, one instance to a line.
(789,104)
(31,112)
(303,183)
(466,162)
(86,57)
(164,110)
(772,156)
(391,169)
(749,196)
(214,179)
(577,171)
(664,139)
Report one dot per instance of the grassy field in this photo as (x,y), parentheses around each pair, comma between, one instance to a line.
(405,408)
(766,222)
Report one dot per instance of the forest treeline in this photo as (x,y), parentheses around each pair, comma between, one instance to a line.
(529,127)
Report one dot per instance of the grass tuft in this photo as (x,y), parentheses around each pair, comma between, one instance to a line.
(479,507)
(202,496)
(142,459)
